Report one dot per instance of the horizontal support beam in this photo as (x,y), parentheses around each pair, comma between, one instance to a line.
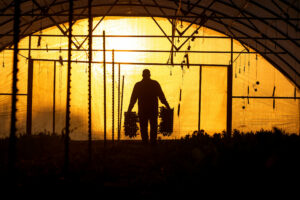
(160,36)
(133,63)
(162,16)
(204,65)
(148,51)
(12,94)
(263,97)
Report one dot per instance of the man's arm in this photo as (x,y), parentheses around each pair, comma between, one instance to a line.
(162,97)
(133,98)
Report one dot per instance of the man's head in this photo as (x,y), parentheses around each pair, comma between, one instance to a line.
(146,73)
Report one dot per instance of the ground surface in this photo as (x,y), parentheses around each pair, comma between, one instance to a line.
(195,164)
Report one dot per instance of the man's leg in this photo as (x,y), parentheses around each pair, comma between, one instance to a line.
(144,128)
(153,129)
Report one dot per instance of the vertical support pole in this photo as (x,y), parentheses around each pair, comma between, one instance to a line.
(119,88)
(104,85)
(199,106)
(13,129)
(90,79)
(66,164)
(54,97)
(299,115)
(29,91)
(121,102)
(113,95)
(229,92)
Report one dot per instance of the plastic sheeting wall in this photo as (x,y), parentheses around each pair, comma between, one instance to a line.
(248,69)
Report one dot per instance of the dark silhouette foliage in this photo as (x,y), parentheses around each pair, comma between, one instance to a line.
(194,164)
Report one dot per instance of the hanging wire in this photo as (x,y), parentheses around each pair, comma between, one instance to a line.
(256,58)
(40,37)
(256,73)
(235,70)
(3,65)
(249,62)
(245,61)
(203,30)
(240,64)
(60,83)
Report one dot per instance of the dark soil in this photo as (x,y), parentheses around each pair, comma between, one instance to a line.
(175,168)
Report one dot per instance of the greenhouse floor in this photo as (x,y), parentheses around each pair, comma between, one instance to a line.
(195,164)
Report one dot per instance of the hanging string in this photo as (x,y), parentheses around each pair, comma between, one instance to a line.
(60,57)
(181,25)
(245,61)
(60,45)
(40,37)
(203,29)
(249,62)
(257,82)
(240,60)
(244,86)
(3,65)
(248,92)
(180,90)
(274,76)
(235,70)
(60,82)
(273,95)
(178,109)
(256,79)
(256,58)
(178,12)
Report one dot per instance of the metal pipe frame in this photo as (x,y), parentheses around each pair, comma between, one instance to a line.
(156,51)
(155,15)
(90,28)
(19,94)
(67,134)
(219,15)
(199,103)
(154,36)
(235,97)
(278,67)
(215,18)
(252,17)
(263,97)
(104,86)
(119,101)
(229,92)
(29,91)
(13,129)
(113,96)
(135,63)
(222,14)
(122,98)
(54,98)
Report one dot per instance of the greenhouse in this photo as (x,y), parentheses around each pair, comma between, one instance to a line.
(69,67)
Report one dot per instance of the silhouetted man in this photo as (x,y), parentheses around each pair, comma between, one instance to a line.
(147,93)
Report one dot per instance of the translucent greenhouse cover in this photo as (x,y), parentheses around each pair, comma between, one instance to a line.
(252,76)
